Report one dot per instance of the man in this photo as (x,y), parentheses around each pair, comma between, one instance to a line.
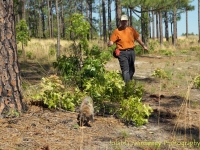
(124,37)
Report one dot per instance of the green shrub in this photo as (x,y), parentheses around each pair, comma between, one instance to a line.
(160,73)
(197,81)
(52,51)
(68,66)
(132,110)
(166,52)
(152,45)
(54,95)
(194,48)
(138,50)
(29,54)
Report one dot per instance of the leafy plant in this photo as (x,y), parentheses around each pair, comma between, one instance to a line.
(53,95)
(194,48)
(111,88)
(138,50)
(131,89)
(68,66)
(184,51)
(22,35)
(166,52)
(80,27)
(197,81)
(92,68)
(132,110)
(52,51)
(160,73)
(124,134)
(19,52)
(152,45)
(29,55)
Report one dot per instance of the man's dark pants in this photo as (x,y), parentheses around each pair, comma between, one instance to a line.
(127,64)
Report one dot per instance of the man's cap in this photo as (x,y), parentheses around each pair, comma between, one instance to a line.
(124,17)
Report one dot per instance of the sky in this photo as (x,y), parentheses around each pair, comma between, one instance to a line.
(192,21)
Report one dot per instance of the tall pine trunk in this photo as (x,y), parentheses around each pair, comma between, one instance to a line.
(186,23)
(58,30)
(157,25)
(161,28)
(10,82)
(49,18)
(118,12)
(104,21)
(109,18)
(153,26)
(166,27)
(174,27)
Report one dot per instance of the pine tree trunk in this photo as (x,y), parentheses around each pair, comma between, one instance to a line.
(104,21)
(52,25)
(90,18)
(142,25)
(131,16)
(118,12)
(186,23)
(109,18)
(10,82)
(157,25)
(166,27)
(43,19)
(174,27)
(63,22)
(58,30)
(23,9)
(153,26)
(161,28)
(100,22)
(49,18)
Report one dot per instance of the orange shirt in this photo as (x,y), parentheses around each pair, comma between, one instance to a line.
(124,39)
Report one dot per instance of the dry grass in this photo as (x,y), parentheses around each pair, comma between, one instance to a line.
(42,49)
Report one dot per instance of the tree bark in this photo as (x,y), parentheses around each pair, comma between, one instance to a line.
(157,25)
(90,17)
(49,18)
(104,21)
(166,26)
(58,30)
(161,28)
(186,23)
(174,27)
(131,18)
(52,24)
(109,18)
(23,9)
(10,82)
(153,26)
(100,22)
(118,12)
(63,22)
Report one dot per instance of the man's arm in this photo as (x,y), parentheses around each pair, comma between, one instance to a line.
(141,43)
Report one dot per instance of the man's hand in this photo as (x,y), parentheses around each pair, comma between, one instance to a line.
(145,48)
(110,43)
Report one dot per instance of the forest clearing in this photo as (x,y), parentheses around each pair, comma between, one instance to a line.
(173,124)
